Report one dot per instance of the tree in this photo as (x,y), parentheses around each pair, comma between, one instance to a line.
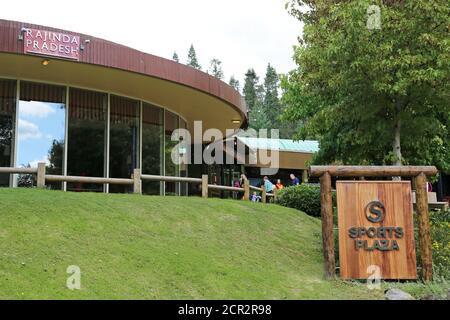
(215,68)
(234,83)
(254,98)
(192,59)
(262,100)
(250,84)
(257,117)
(271,104)
(373,93)
(55,157)
(175,57)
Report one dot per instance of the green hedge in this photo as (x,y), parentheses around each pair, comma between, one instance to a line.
(440,237)
(304,197)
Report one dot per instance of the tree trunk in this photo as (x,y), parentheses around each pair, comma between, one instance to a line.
(396,146)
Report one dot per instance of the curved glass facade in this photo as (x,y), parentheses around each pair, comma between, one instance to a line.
(8,92)
(81,132)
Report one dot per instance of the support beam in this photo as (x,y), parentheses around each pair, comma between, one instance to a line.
(205,186)
(424,227)
(327,225)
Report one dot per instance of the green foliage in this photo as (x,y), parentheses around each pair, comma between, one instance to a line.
(271,101)
(355,85)
(254,96)
(258,118)
(175,57)
(304,197)
(55,157)
(192,60)
(264,103)
(234,83)
(249,91)
(215,68)
(440,237)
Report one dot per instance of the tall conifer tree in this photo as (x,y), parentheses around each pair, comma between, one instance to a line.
(192,60)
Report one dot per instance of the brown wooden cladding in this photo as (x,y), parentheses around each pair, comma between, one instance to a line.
(352,200)
(109,54)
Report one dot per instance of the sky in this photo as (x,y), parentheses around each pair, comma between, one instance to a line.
(240,33)
(39,124)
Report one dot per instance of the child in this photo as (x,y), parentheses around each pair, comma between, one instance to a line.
(255,197)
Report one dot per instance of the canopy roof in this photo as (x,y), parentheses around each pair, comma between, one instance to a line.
(303,146)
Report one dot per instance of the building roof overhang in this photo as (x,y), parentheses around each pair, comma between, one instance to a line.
(110,67)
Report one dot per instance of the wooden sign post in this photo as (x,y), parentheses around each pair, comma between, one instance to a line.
(375,221)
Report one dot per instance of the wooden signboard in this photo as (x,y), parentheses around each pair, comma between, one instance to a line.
(376,229)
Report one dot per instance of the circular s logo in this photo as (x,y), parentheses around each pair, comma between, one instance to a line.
(375,211)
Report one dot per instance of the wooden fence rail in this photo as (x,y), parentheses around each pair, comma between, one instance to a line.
(136,181)
(224,188)
(82,179)
(18,170)
(170,178)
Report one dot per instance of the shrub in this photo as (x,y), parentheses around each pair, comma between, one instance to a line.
(440,237)
(304,197)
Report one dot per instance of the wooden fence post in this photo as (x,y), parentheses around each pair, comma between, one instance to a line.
(424,227)
(204,186)
(41,175)
(246,189)
(263,195)
(137,182)
(275,195)
(327,225)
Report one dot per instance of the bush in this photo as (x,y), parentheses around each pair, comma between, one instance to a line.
(440,237)
(304,197)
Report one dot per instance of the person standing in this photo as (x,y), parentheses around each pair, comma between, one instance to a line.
(268,185)
(242,179)
(279,185)
(295,181)
(237,184)
(241,185)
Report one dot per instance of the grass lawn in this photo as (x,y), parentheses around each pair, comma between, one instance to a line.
(143,247)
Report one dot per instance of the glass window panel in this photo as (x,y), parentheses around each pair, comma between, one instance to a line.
(183,167)
(42,114)
(172,169)
(7,121)
(152,146)
(124,140)
(86,137)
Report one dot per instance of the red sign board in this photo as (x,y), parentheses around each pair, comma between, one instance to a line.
(50,43)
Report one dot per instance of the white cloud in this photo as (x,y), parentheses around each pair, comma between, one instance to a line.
(34,163)
(35,109)
(29,130)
